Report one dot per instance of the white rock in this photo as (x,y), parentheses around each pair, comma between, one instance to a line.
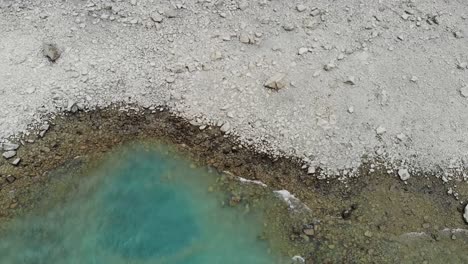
(276,82)
(301,8)
(380,130)
(464,91)
(414,79)
(245,38)
(350,80)
(16,162)
(9,154)
(465,215)
(9,146)
(462,65)
(401,136)
(302,50)
(350,109)
(404,174)
(298,259)
(225,127)
(311,170)
(156,17)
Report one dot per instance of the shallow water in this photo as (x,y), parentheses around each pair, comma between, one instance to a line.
(142,205)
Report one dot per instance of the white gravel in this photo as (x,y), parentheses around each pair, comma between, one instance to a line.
(209,60)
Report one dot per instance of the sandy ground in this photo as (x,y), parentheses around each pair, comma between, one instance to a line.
(383,79)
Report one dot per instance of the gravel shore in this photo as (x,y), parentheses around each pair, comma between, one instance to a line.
(325,82)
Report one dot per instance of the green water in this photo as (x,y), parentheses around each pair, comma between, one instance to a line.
(141,205)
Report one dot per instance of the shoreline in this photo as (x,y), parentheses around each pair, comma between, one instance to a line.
(374,194)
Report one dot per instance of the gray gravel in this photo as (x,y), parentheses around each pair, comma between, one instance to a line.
(374,78)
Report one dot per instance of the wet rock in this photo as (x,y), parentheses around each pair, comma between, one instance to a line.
(51,51)
(9,154)
(276,81)
(10,179)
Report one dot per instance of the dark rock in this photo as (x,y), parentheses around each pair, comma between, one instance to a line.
(10,179)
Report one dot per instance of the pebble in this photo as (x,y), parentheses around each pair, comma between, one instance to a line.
(414,79)
(170,79)
(301,8)
(404,174)
(311,170)
(464,91)
(51,51)
(368,234)
(289,27)
(156,17)
(10,179)
(302,50)
(9,146)
(350,109)
(329,67)
(245,38)
(72,107)
(350,80)
(16,162)
(465,214)
(309,231)
(380,130)
(462,65)
(225,127)
(276,81)
(9,154)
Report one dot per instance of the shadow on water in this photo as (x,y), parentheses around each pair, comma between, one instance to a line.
(143,204)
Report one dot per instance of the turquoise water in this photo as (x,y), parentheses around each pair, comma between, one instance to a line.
(140,206)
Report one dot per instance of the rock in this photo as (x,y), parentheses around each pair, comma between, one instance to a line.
(301,8)
(243,4)
(9,154)
(245,38)
(368,233)
(414,79)
(464,91)
(156,17)
(10,179)
(350,109)
(311,170)
(308,231)
(170,79)
(298,260)
(276,82)
(225,127)
(51,51)
(380,130)
(404,174)
(329,66)
(302,50)
(458,34)
(16,162)
(7,146)
(350,80)
(72,107)
(217,55)
(462,65)
(465,215)
(289,27)
(401,136)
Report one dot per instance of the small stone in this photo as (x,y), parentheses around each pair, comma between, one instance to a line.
(380,130)
(458,34)
(350,109)
(289,27)
(16,162)
(51,51)
(401,38)
(401,136)
(368,234)
(276,82)
(72,107)
(133,2)
(405,16)
(245,38)
(404,174)
(350,80)
(9,154)
(217,55)
(302,50)
(10,179)
(311,170)
(464,91)
(301,8)
(329,67)
(242,5)
(309,231)
(426,225)
(462,65)
(315,12)
(465,214)
(9,146)
(156,17)
(414,79)
(225,127)
(170,79)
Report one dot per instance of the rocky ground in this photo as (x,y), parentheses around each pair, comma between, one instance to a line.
(327,82)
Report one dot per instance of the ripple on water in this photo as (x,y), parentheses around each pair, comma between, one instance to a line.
(142,205)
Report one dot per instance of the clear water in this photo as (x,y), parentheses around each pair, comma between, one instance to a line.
(142,205)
